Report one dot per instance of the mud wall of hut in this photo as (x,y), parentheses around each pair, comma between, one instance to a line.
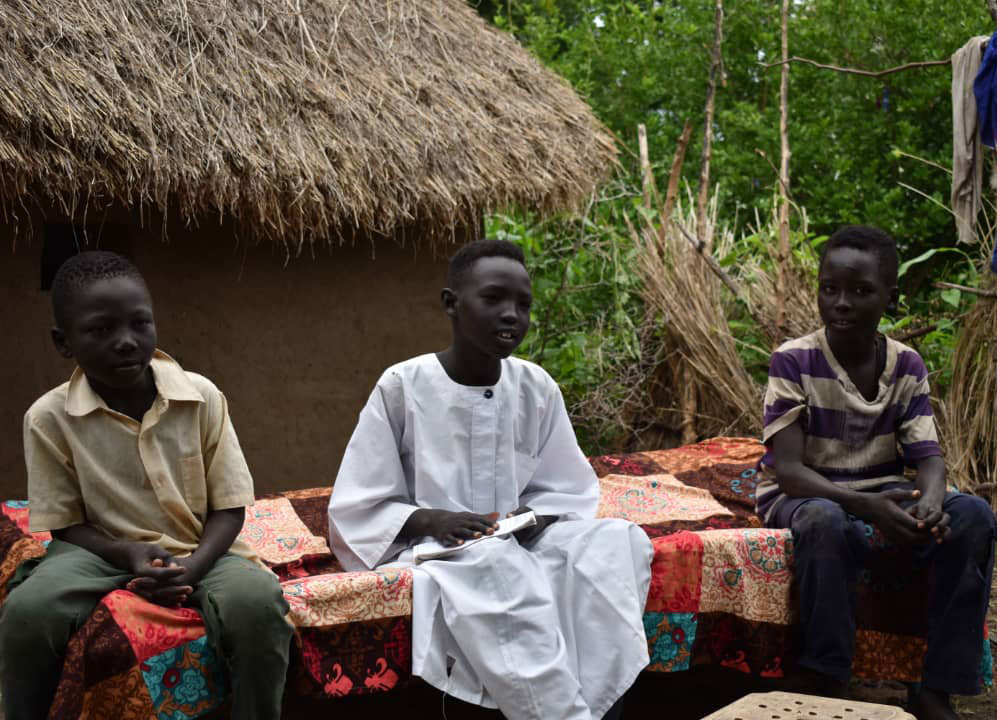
(295,348)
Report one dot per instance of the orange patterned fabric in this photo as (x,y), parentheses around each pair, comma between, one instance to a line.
(324,600)
(655,499)
(151,629)
(746,573)
(676,574)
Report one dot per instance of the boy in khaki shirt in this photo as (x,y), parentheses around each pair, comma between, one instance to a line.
(134,467)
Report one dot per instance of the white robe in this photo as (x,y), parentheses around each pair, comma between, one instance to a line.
(550,629)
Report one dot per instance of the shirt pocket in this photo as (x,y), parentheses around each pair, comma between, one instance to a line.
(194,485)
(526,468)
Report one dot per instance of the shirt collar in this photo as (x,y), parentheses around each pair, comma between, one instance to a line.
(171,381)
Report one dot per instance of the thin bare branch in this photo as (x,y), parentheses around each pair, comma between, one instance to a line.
(859,71)
(711,89)
(675,174)
(916,333)
(782,255)
(713,264)
(966,288)
(647,175)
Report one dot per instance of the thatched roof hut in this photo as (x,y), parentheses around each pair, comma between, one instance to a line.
(296,118)
(301,122)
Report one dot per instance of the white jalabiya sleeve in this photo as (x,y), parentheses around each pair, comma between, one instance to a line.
(564,483)
(371,501)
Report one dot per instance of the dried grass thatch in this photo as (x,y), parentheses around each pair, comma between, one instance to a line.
(295,118)
(971,402)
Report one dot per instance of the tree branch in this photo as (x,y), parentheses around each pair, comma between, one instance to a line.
(916,333)
(711,89)
(859,71)
(714,266)
(965,288)
(782,263)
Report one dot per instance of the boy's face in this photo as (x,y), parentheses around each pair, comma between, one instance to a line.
(852,295)
(110,331)
(490,308)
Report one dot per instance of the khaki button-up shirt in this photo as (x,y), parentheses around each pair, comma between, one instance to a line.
(153,481)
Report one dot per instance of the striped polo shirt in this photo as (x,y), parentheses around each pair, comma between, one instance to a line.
(850,440)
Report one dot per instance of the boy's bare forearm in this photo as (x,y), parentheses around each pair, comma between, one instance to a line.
(931,477)
(797,480)
(90,538)
(221,528)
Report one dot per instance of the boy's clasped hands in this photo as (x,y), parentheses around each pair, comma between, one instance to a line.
(159,577)
(906,516)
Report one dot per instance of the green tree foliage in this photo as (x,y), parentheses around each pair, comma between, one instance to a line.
(646,62)
(852,140)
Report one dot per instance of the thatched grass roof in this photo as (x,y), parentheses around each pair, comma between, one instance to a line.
(297,118)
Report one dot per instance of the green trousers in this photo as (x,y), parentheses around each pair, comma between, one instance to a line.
(242,606)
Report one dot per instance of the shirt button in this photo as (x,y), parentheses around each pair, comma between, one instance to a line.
(488,393)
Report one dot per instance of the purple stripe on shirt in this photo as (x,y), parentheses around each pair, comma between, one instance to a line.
(920,405)
(792,364)
(909,363)
(825,422)
(920,450)
(886,423)
(777,409)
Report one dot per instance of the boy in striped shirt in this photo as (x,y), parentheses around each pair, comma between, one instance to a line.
(845,410)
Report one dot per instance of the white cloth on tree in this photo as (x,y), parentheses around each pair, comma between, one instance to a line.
(967,156)
(552,628)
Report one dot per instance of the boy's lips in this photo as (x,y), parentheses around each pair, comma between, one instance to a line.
(126,368)
(508,337)
(842,324)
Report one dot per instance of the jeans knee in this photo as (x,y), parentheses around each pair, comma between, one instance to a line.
(821,522)
(972,522)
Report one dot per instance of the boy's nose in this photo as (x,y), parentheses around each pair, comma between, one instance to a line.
(125,344)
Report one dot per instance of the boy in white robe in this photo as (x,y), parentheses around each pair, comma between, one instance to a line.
(546,623)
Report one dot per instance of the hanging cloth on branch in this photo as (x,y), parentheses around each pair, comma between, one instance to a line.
(985,90)
(967,160)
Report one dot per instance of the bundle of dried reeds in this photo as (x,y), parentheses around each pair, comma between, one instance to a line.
(798,302)
(691,301)
(970,408)
(294,118)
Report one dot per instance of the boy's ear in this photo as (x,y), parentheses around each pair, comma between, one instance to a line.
(893,306)
(449,299)
(59,340)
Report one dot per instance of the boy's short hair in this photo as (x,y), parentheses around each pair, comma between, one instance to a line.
(83,269)
(867,239)
(464,258)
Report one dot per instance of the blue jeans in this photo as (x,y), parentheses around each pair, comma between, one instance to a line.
(830,547)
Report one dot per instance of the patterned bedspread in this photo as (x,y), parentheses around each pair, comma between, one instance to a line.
(720,594)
